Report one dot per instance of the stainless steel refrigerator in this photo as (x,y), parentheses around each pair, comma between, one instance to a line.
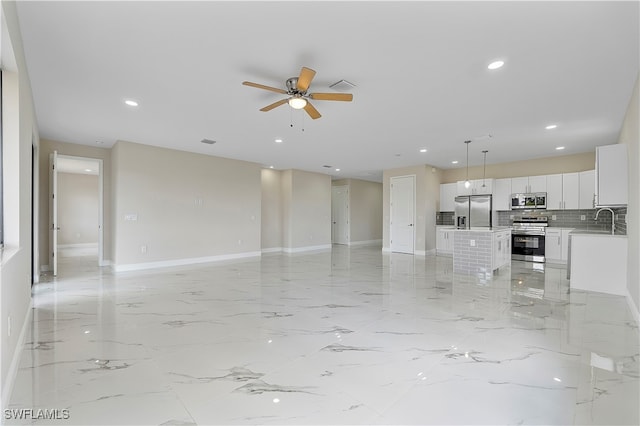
(474,211)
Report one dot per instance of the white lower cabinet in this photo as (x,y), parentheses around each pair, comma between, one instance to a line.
(501,249)
(556,245)
(444,241)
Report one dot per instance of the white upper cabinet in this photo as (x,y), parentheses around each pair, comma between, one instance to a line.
(563,191)
(611,175)
(527,184)
(570,191)
(587,189)
(448,192)
(554,192)
(519,184)
(538,183)
(502,194)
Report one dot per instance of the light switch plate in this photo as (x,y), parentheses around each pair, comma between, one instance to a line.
(583,217)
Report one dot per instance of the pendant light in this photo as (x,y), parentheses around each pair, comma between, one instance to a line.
(467,184)
(484,168)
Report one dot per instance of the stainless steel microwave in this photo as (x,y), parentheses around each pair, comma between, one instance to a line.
(535,200)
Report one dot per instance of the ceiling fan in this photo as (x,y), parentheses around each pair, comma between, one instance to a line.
(297,91)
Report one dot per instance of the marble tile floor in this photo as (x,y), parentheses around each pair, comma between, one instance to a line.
(347,336)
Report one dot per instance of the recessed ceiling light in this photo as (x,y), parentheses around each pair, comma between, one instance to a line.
(271,167)
(423,150)
(495,65)
(337,170)
(99,142)
(551,126)
(278,140)
(559,148)
(454,162)
(131,103)
(88,170)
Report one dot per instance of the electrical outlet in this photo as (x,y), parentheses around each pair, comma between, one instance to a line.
(583,217)
(553,217)
(143,249)
(239,242)
(472,243)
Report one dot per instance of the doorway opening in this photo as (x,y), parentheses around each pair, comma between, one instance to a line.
(76,212)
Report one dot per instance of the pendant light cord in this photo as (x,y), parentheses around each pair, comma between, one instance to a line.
(484,168)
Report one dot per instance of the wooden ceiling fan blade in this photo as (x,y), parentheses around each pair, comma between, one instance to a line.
(274,105)
(304,80)
(313,113)
(262,86)
(347,97)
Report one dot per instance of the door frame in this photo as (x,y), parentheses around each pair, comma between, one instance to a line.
(391,180)
(100,162)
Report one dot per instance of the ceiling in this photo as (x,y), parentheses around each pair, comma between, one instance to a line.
(420,70)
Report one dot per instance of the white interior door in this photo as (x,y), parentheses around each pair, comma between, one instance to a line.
(340,214)
(53,212)
(402,229)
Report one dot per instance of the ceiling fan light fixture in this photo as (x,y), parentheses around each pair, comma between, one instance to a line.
(297,102)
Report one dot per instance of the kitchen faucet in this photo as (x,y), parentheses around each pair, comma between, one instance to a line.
(613,221)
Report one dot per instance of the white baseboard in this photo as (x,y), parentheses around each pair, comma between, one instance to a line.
(78,245)
(45,268)
(632,307)
(272,250)
(183,262)
(431,252)
(419,252)
(105,262)
(307,248)
(386,250)
(12,373)
(365,243)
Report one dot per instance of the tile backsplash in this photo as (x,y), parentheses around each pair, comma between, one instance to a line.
(560,219)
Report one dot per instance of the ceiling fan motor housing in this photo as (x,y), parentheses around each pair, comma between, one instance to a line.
(292,86)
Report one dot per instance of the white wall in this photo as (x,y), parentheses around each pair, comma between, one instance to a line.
(271,225)
(188,208)
(77,208)
(19,136)
(306,201)
(630,135)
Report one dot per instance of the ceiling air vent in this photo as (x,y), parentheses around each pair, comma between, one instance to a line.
(342,86)
(208,141)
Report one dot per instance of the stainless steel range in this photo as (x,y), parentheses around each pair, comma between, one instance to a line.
(527,238)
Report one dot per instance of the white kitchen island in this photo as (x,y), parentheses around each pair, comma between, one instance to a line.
(598,262)
(481,250)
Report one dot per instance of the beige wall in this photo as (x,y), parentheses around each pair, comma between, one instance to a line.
(428,181)
(630,135)
(271,225)
(365,209)
(535,167)
(77,208)
(74,150)
(20,134)
(188,206)
(306,200)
